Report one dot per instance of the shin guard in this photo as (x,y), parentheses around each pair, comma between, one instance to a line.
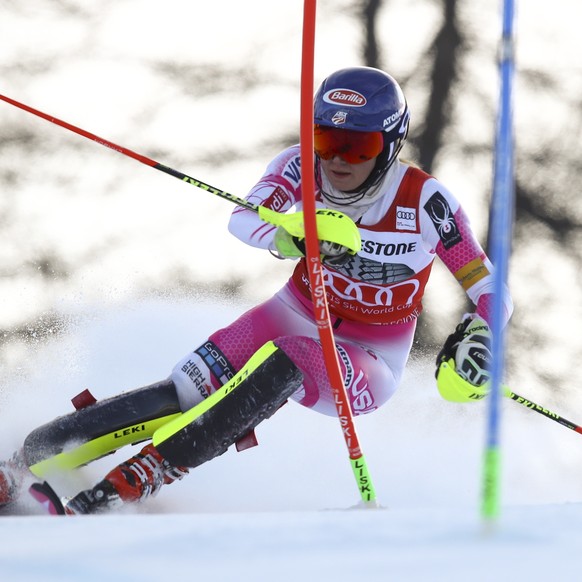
(209,428)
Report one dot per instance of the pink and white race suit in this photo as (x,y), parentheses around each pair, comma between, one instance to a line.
(374,298)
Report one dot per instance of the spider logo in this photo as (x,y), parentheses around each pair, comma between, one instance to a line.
(442,217)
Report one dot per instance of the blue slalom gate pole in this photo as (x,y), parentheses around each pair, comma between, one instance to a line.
(501,230)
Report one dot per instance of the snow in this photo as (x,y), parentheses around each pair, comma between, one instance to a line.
(280,511)
(337,545)
(288,509)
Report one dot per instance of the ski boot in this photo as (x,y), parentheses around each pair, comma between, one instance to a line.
(12,473)
(133,481)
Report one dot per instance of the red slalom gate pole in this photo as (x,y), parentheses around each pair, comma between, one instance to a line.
(314,267)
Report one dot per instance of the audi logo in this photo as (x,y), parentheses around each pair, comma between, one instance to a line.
(406,215)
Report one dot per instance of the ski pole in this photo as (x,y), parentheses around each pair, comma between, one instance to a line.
(543,411)
(139,157)
(266,214)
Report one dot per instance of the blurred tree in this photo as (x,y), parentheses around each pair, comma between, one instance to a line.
(370,51)
(441,59)
(547,170)
(445,77)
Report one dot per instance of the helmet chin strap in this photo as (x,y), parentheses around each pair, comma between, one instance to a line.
(356,204)
(368,188)
(343,198)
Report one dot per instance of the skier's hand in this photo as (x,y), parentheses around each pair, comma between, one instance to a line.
(339,234)
(292,247)
(464,362)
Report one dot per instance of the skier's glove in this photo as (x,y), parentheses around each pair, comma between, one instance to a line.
(464,362)
(339,240)
(292,247)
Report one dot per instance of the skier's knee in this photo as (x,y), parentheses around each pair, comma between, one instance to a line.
(368,380)
(200,373)
(255,393)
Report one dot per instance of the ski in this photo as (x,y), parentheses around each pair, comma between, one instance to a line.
(47,497)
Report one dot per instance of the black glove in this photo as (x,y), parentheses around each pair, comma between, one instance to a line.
(333,254)
(469,346)
(449,349)
(289,246)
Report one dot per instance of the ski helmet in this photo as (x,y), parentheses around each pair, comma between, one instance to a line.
(365,99)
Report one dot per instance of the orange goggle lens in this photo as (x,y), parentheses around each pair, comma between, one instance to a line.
(354,147)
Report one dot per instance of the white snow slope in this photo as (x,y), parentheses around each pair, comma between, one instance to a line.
(283,510)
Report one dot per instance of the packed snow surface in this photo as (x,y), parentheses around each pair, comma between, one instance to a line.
(288,509)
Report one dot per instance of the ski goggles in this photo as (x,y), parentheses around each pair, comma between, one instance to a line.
(354,147)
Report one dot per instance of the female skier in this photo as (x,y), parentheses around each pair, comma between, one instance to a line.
(404,217)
